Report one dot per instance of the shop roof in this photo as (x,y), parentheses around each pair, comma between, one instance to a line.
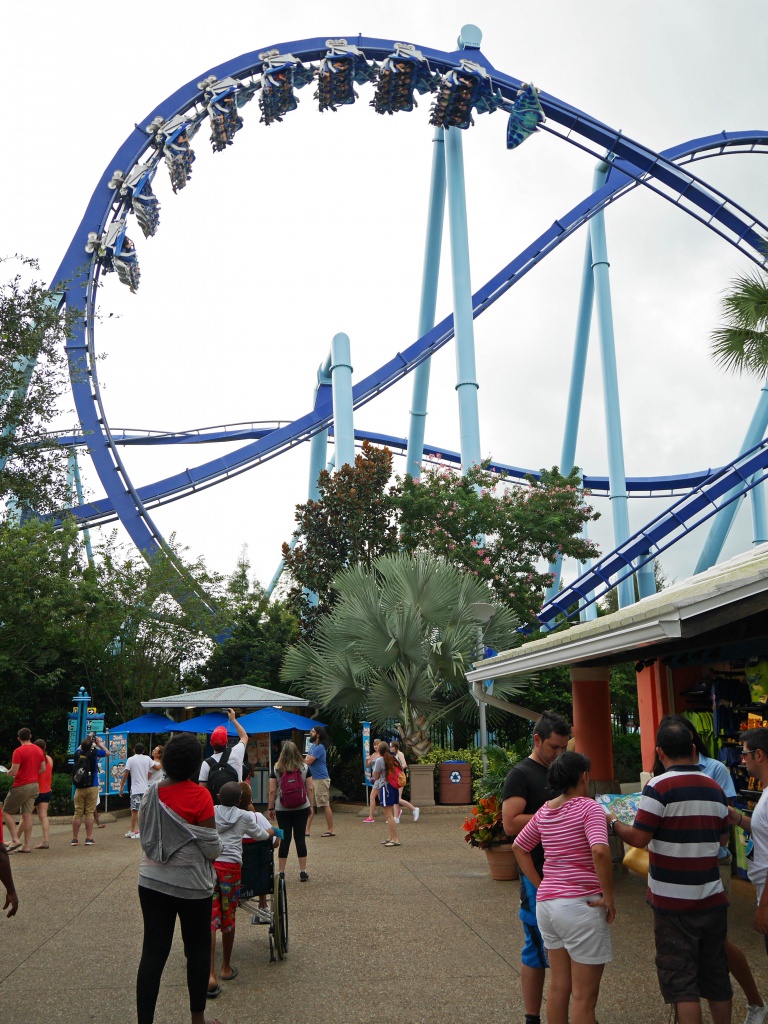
(697,607)
(241,695)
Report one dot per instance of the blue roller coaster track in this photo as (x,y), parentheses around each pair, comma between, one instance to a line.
(164,134)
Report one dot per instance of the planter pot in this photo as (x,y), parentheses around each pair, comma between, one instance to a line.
(502,862)
(422,779)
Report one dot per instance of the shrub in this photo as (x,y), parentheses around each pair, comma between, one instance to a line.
(627,759)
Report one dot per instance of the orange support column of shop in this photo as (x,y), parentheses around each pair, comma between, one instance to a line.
(592,727)
(654,700)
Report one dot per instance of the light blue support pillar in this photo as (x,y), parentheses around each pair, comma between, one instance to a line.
(576,391)
(616,472)
(75,487)
(343,419)
(759,527)
(318,446)
(723,521)
(646,580)
(466,386)
(588,613)
(429,279)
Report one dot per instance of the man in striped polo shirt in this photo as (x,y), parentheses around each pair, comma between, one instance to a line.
(683,820)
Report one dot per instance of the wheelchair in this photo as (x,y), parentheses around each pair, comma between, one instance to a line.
(259,877)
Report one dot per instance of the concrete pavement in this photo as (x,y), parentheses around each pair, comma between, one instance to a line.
(418,934)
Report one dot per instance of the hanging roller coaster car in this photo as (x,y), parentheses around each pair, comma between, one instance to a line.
(399,75)
(461,90)
(221,100)
(116,252)
(342,67)
(136,189)
(173,137)
(281,74)
(525,116)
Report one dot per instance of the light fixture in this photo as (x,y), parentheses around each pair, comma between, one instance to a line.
(399,74)
(461,90)
(221,101)
(115,251)
(342,67)
(173,137)
(524,117)
(136,188)
(281,74)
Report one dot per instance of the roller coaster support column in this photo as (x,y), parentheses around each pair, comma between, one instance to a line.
(723,521)
(75,488)
(430,274)
(318,446)
(343,420)
(592,719)
(467,386)
(617,475)
(576,391)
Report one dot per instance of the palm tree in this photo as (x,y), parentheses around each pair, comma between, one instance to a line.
(397,643)
(741,344)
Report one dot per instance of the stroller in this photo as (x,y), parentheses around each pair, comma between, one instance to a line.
(259,878)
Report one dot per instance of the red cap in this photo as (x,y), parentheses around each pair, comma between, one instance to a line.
(219,736)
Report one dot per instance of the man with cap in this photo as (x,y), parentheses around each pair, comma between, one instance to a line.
(219,744)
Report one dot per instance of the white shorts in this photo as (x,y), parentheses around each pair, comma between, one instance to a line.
(582,930)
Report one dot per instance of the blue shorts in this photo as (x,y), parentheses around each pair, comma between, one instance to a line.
(388,795)
(534,954)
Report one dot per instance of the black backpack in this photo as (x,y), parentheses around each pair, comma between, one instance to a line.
(82,771)
(220,772)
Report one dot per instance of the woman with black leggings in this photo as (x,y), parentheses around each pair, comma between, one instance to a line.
(285,787)
(179,884)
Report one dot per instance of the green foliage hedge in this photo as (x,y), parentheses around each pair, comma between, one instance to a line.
(627,759)
(61,793)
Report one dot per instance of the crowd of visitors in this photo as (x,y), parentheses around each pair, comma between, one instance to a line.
(192,817)
(566,894)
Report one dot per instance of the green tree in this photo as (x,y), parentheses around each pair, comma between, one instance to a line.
(397,643)
(33,378)
(498,532)
(260,633)
(740,345)
(351,523)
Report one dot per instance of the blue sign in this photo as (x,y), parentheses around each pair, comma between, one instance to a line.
(115,763)
(367,769)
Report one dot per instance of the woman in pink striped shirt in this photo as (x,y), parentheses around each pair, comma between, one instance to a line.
(574,899)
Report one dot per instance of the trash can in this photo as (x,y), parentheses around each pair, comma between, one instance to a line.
(455,782)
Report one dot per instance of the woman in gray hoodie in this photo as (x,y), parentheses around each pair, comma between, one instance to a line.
(179,844)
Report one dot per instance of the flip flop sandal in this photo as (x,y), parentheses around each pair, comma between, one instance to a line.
(390,843)
(212,993)
(13,846)
(324,835)
(42,846)
(232,976)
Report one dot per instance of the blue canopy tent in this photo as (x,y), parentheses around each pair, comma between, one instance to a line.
(206,724)
(147,723)
(275,720)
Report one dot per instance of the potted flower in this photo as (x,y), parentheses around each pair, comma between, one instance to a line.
(484,830)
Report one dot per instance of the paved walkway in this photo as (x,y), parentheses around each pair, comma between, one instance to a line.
(419,934)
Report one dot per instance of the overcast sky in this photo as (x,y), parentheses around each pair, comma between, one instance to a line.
(317,225)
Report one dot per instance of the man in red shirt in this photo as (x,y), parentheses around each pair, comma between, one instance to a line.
(27,765)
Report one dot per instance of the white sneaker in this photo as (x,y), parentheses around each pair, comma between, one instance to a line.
(756,1014)
(416,813)
(129,835)
(135,836)
(397,821)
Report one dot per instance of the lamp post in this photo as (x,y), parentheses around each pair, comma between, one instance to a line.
(482,613)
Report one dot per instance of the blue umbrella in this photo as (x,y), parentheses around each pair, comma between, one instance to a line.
(147,723)
(275,720)
(206,724)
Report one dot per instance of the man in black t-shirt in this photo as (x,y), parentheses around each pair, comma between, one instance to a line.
(525,790)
